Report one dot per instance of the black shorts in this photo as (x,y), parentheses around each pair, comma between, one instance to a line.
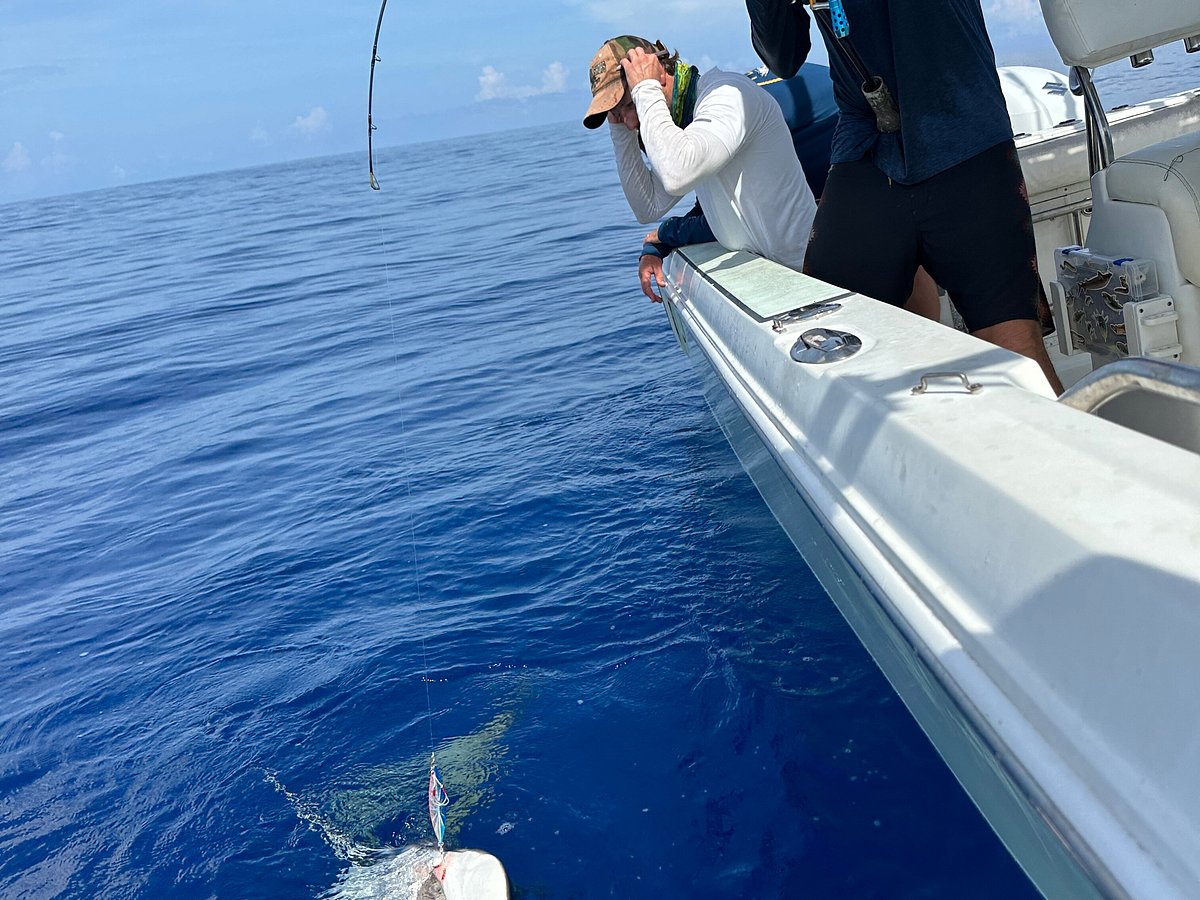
(969,227)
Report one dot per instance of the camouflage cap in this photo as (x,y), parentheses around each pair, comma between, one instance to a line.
(607,77)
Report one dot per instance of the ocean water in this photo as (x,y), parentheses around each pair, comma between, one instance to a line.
(303,482)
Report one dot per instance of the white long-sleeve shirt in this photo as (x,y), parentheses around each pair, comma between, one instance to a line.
(737,155)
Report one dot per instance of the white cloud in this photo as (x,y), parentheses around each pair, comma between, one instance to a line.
(554,78)
(315,122)
(56,136)
(17,159)
(259,135)
(1014,12)
(119,174)
(57,161)
(493,84)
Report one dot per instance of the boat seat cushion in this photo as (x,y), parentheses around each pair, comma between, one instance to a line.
(1092,33)
(1166,175)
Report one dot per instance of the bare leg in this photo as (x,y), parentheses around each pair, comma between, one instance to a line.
(924,297)
(1023,336)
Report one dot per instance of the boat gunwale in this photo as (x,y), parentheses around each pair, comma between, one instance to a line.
(1078,848)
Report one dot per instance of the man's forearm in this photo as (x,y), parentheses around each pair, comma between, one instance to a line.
(680,231)
(643,190)
(651,248)
(779,30)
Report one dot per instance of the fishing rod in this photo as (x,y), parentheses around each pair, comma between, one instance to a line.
(831,19)
(371,99)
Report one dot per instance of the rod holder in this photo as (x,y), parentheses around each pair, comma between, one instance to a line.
(887,117)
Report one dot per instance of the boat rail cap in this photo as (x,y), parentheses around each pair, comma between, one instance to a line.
(1136,373)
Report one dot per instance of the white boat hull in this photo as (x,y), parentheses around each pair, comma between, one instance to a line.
(1026,575)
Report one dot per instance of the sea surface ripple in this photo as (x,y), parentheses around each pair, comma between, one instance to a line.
(302,482)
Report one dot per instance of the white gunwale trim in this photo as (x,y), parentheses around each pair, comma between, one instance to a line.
(1107,851)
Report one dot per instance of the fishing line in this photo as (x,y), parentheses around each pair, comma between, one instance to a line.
(438,800)
(437,795)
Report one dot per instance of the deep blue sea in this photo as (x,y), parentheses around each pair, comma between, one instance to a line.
(301,482)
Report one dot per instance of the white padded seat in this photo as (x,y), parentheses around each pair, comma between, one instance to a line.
(1091,33)
(1166,175)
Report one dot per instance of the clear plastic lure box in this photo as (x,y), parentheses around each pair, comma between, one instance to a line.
(1096,289)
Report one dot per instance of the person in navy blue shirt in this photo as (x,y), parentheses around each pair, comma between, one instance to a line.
(945,190)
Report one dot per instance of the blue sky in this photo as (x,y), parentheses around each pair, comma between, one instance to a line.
(111,92)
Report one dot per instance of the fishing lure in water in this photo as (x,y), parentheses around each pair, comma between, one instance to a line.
(438,801)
